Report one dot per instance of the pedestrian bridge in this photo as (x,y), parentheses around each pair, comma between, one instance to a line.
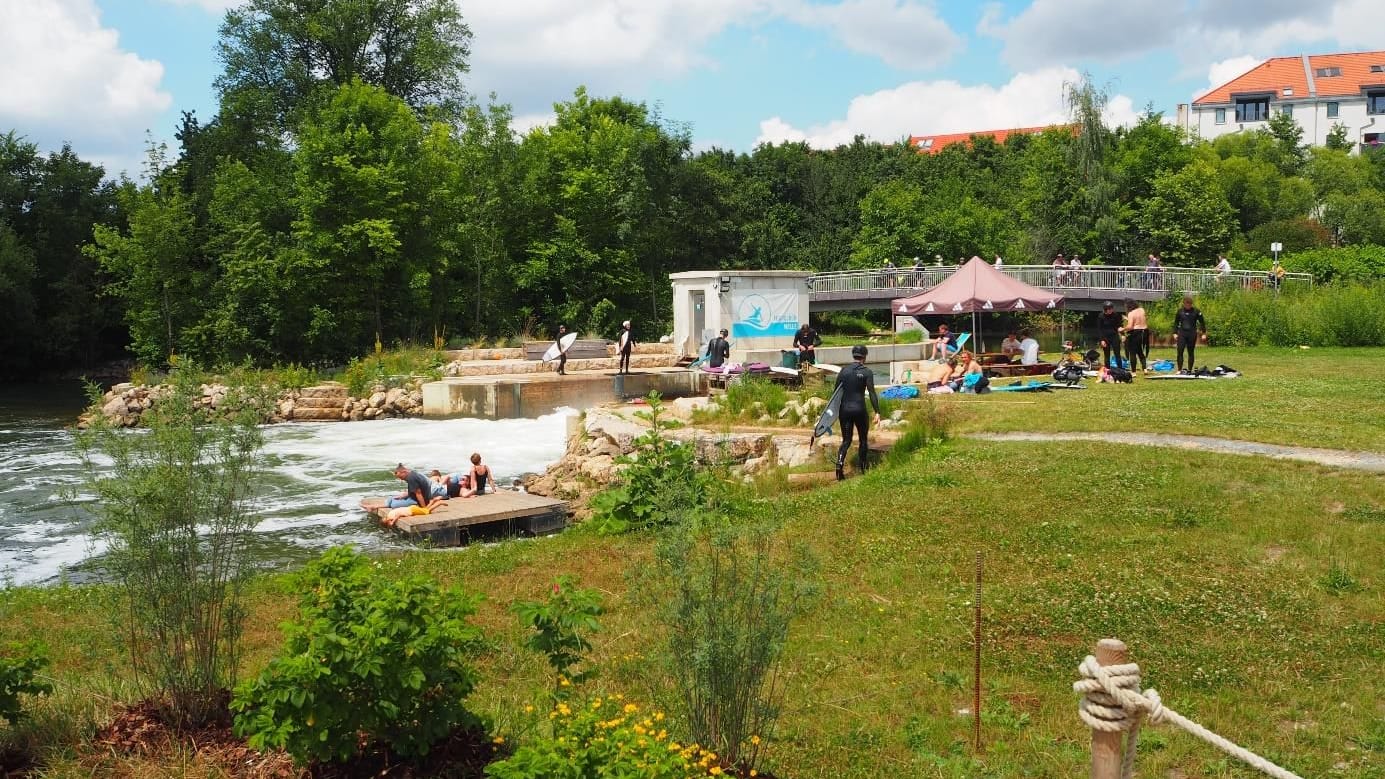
(1084,289)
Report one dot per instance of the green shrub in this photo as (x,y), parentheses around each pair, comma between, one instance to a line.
(909,337)
(927,424)
(560,625)
(742,395)
(1325,315)
(660,483)
(393,368)
(727,596)
(845,323)
(605,737)
(1362,264)
(176,510)
(602,320)
(19,668)
(370,661)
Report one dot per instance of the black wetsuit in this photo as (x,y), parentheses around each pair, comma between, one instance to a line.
(855,381)
(1108,327)
(624,349)
(718,352)
(1187,323)
(806,341)
(562,354)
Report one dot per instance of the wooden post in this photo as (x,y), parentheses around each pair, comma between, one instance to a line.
(1106,747)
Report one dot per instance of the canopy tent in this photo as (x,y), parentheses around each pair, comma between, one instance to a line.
(977,288)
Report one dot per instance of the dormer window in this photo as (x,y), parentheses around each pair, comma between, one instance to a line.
(1327,72)
(1378,68)
(927,143)
(1288,91)
(1252,109)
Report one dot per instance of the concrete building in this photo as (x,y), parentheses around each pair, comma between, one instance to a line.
(761,309)
(1319,91)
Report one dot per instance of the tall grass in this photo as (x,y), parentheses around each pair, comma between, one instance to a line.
(1330,315)
(741,397)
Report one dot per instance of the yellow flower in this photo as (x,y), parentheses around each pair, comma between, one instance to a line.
(528,709)
(753,772)
(498,740)
(563,709)
(673,746)
(596,704)
(563,682)
(755,740)
(716,771)
(631,708)
(658,716)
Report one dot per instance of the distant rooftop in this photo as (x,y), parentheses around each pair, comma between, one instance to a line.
(1305,76)
(932,144)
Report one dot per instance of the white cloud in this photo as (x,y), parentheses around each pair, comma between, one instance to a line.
(1201,32)
(928,107)
(903,33)
(65,78)
(1219,73)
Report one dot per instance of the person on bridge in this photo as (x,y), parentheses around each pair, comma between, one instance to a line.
(889,270)
(806,341)
(1108,330)
(855,381)
(1060,270)
(1075,276)
(1154,272)
(1136,335)
(1188,324)
(718,350)
(999,263)
(1223,266)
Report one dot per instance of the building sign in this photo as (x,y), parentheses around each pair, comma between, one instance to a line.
(765,313)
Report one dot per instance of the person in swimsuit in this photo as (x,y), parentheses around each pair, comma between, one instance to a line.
(480,474)
(855,381)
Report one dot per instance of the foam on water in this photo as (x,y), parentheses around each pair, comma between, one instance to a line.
(316,475)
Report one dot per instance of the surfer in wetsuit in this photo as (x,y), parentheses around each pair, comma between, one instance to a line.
(806,341)
(854,382)
(1187,325)
(562,353)
(718,350)
(624,343)
(1108,329)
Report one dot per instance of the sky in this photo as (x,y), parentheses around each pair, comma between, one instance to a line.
(110,75)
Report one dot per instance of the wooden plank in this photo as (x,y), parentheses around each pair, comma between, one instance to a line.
(464,512)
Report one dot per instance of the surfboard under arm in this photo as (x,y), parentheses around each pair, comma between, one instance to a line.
(829,415)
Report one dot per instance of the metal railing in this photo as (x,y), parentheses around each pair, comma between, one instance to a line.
(1112,279)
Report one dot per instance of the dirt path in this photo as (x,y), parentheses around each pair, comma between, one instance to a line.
(1332,458)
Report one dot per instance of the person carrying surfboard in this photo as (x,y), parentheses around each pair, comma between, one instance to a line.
(718,350)
(562,351)
(624,343)
(854,382)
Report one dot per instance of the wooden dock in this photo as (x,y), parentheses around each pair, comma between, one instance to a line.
(464,518)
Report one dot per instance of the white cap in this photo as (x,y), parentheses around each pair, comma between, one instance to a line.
(626,323)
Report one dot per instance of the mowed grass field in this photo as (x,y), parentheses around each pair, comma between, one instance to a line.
(1251,591)
(1330,398)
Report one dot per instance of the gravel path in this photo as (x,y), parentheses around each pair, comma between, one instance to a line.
(1333,458)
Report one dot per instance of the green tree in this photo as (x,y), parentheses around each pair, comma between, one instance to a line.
(1337,139)
(285,54)
(1290,151)
(1188,217)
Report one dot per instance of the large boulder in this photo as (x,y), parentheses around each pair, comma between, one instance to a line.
(377,399)
(115,408)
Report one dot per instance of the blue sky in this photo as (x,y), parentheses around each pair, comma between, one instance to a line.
(103,73)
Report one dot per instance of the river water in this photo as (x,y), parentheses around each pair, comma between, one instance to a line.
(316,475)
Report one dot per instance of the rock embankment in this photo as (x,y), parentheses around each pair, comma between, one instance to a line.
(590,463)
(125,404)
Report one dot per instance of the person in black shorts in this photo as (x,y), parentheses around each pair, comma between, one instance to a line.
(1108,329)
(855,381)
(1188,325)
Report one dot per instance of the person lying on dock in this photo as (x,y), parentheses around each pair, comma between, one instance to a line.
(412,511)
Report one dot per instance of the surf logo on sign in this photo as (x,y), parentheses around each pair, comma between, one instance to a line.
(765,314)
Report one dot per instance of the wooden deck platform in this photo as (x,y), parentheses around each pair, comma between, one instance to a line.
(464,518)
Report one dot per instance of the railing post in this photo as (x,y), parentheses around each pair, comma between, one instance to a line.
(1106,747)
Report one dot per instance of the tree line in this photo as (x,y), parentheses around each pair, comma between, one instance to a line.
(351,192)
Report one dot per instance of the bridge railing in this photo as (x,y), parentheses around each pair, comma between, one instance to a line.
(1110,278)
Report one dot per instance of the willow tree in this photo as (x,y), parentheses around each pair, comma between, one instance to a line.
(1103,216)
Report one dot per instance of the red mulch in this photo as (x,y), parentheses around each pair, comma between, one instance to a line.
(143,730)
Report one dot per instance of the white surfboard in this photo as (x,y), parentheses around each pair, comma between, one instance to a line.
(555,350)
(829,367)
(785,371)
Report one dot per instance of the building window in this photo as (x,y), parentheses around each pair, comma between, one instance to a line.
(1328,72)
(1220,116)
(1331,110)
(1375,102)
(1378,68)
(1253,109)
(1287,109)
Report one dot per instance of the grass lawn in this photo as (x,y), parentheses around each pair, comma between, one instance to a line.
(1331,398)
(1251,591)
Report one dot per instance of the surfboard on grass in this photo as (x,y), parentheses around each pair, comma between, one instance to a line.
(556,349)
(829,415)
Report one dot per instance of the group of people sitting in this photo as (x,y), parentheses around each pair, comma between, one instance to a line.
(423,494)
(957,373)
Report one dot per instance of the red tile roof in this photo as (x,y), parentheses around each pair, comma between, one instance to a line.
(942,141)
(1273,75)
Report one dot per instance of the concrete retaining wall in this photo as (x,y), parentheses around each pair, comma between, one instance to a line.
(509,397)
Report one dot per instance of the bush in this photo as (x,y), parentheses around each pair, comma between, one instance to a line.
(659,485)
(1328,315)
(19,669)
(559,626)
(392,368)
(175,509)
(845,323)
(727,600)
(606,737)
(1360,264)
(909,337)
(370,662)
(742,395)
(927,424)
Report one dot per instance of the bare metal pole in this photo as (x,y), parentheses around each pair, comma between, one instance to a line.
(976,664)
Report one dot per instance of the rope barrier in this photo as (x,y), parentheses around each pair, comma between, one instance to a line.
(1112,703)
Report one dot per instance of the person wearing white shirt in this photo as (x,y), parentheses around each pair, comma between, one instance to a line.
(999,263)
(1223,266)
(1029,349)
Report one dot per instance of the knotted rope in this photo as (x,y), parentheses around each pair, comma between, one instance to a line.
(1112,702)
